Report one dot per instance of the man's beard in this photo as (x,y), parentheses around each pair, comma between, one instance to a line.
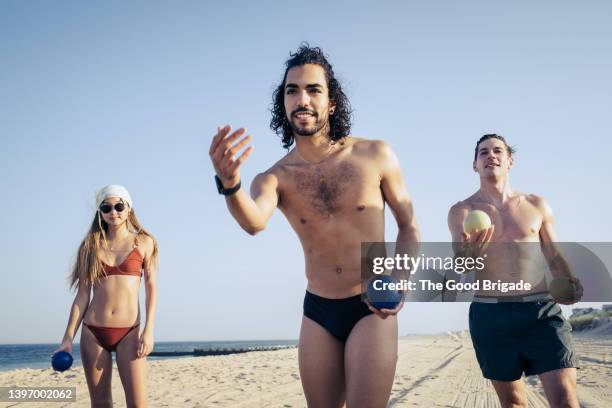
(319,124)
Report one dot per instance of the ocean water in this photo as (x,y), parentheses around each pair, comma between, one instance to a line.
(13,356)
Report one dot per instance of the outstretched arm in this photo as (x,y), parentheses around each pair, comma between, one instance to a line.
(252,213)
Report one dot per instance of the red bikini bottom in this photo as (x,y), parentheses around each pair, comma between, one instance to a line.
(109,337)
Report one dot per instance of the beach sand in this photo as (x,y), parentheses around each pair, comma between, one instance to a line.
(432,371)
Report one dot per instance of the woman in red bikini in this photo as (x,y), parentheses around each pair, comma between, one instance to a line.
(114,255)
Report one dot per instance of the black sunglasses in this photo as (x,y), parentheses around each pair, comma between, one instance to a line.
(106,208)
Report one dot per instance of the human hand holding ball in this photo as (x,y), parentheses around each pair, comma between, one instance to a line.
(61,360)
(383,296)
(478,230)
(566,290)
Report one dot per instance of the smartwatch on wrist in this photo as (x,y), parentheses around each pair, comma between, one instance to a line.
(226,191)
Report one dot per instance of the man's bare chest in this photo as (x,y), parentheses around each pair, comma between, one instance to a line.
(517,220)
(330,189)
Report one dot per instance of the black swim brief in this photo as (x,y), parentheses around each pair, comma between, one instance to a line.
(337,316)
(515,338)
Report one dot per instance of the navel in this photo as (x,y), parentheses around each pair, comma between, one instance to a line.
(361,208)
(338,271)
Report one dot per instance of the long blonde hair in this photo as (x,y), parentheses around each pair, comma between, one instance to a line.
(88,269)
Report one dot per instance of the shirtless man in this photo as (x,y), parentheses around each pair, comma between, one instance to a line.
(332,188)
(520,334)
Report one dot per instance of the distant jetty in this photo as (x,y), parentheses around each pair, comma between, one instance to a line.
(216,351)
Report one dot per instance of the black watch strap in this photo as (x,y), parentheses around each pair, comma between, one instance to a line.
(226,191)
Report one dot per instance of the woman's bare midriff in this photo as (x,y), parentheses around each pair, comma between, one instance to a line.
(115,302)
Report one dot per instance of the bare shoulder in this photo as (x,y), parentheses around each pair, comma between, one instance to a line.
(376,152)
(146,243)
(540,203)
(273,174)
(534,199)
(270,175)
(269,180)
(370,147)
(460,207)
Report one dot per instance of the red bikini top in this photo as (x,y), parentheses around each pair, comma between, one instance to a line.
(131,265)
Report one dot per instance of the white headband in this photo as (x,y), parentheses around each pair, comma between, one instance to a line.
(113,190)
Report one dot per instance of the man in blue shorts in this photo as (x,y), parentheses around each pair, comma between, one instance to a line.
(516,333)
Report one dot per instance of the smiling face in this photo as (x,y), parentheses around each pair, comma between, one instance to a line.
(114,217)
(306,99)
(493,159)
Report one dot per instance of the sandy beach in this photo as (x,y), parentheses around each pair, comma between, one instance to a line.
(432,371)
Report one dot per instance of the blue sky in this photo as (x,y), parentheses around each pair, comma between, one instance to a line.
(97,93)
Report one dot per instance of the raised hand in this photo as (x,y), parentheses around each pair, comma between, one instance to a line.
(223,149)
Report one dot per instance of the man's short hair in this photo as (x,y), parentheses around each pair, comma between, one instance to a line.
(511,150)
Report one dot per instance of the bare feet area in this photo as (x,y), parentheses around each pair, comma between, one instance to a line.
(432,371)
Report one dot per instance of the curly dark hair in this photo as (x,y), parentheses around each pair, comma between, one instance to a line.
(339,122)
(511,150)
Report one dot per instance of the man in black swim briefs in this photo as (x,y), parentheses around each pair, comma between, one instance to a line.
(332,188)
(513,333)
